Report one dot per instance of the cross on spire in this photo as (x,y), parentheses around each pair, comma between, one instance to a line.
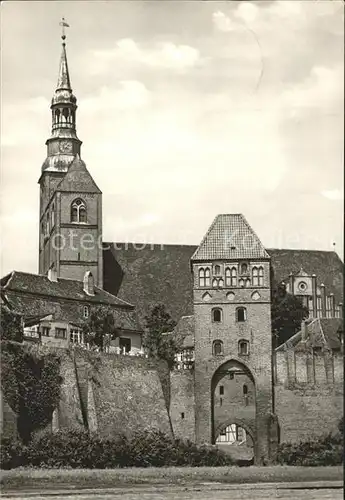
(64,25)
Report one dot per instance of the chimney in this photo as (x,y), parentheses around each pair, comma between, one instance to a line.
(323,300)
(52,274)
(304,331)
(89,283)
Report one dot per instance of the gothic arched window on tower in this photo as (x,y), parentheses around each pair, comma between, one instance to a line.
(233,276)
(201,277)
(207,276)
(78,211)
(255,276)
(244,268)
(241,314)
(216,270)
(217,348)
(261,276)
(227,277)
(217,314)
(243,349)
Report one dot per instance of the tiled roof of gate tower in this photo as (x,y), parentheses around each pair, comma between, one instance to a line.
(230,237)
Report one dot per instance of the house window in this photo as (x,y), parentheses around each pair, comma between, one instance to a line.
(125,345)
(243,347)
(233,276)
(78,211)
(244,268)
(255,276)
(45,331)
(60,333)
(261,276)
(86,312)
(221,390)
(75,336)
(217,315)
(216,270)
(217,348)
(241,314)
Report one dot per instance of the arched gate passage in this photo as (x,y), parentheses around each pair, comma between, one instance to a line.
(233,409)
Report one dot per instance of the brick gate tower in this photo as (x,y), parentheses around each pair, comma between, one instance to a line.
(70,233)
(233,348)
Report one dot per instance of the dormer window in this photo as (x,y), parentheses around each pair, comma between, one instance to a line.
(78,211)
(89,283)
(86,312)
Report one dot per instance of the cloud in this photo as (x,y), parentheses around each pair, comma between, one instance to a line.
(165,55)
(127,94)
(247,12)
(223,22)
(333,194)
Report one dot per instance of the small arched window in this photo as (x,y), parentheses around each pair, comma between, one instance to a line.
(247,284)
(241,282)
(255,276)
(217,270)
(243,350)
(244,268)
(215,283)
(217,348)
(241,314)
(221,283)
(245,389)
(78,211)
(217,315)
(227,277)
(261,276)
(86,312)
(233,276)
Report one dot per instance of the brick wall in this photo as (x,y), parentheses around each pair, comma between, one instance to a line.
(182,412)
(308,393)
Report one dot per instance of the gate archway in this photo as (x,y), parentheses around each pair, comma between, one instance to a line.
(233,409)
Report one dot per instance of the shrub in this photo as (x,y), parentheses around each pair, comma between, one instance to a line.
(327,450)
(12,453)
(76,448)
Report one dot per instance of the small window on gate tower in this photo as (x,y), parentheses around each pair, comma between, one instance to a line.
(221,390)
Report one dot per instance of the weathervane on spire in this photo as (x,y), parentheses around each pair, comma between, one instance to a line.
(64,25)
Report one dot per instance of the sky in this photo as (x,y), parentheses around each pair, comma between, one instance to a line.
(186,110)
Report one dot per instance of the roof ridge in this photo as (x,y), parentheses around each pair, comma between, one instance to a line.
(111,295)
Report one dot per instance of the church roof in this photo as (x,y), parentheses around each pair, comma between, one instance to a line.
(78,178)
(230,237)
(148,274)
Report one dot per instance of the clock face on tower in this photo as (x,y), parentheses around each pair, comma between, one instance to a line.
(65,147)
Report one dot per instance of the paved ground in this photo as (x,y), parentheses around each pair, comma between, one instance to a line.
(204,491)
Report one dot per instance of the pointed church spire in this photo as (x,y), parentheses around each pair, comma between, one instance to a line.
(63,145)
(63,80)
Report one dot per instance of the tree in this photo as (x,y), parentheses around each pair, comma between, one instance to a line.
(11,325)
(287,312)
(100,328)
(160,346)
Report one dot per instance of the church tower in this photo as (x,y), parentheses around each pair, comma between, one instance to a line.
(233,343)
(70,231)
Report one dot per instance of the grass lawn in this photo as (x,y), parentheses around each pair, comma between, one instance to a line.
(90,478)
